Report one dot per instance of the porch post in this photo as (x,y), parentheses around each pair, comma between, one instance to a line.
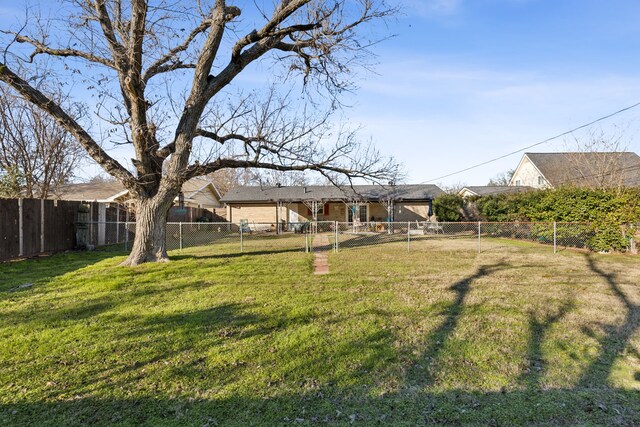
(277,217)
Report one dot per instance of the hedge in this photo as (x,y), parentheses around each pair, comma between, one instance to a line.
(612,214)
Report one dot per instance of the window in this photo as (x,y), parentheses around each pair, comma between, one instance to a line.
(517,183)
(540,180)
(321,209)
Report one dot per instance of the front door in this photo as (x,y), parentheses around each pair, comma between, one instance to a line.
(359,212)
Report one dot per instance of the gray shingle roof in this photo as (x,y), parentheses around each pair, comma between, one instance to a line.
(105,190)
(488,190)
(324,193)
(589,169)
(88,192)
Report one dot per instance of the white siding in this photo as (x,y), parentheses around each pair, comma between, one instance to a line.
(527,175)
(206,199)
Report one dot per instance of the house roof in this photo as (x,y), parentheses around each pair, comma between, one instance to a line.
(194,185)
(488,190)
(98,191)
(325,193)
(596,169)
(113,190)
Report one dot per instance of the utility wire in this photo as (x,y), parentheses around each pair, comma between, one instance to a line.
(537,143)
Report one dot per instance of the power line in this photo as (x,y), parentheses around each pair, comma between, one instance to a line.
(536,144)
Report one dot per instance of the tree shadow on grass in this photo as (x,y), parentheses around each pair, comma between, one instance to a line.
(617,337)
(44,269)
(337,407)
(436,341)
(350,399)
(228,255)
(189,335)
(536,363)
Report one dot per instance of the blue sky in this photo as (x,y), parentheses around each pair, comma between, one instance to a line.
(465,81)
(468,81)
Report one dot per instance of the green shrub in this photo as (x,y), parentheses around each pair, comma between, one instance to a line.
(448,207)
(612,214)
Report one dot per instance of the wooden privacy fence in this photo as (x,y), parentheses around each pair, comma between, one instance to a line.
(32,226)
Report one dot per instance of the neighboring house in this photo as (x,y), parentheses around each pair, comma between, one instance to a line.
(490,190)
(201,198)
(359,203)
(593,170)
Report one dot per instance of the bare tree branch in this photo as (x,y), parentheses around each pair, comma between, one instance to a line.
(170,60)
(93,149)
(41,48)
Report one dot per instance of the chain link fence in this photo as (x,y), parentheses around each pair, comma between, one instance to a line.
(337,236)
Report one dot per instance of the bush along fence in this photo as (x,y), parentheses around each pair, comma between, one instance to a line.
(612,214)
(262,237)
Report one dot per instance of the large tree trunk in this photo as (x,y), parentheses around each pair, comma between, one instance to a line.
(149,244)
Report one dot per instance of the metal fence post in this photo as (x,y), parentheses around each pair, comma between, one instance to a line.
(126,236)
(241,240)
(408,236)
(335,228)
(555,236)
(180,234)
(478,236)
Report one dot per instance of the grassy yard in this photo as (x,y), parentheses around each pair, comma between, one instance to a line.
(438,336)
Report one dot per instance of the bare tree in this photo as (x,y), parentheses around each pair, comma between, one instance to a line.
(502,179)
(101,178)
(164,74)
(599,159)
(35,147)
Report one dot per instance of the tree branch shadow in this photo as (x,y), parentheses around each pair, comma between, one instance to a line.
(538,329)
(616,338)
(436,341)
(41,269)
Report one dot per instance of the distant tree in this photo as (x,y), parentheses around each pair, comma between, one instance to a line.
(34,147)
(164,70)
(101,178)
(606,170)
(283,178)
(11,182)
(453,188)
(502,179)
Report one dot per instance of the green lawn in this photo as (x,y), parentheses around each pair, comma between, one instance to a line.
(438,336)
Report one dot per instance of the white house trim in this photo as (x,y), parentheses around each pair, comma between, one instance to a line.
(512,181)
